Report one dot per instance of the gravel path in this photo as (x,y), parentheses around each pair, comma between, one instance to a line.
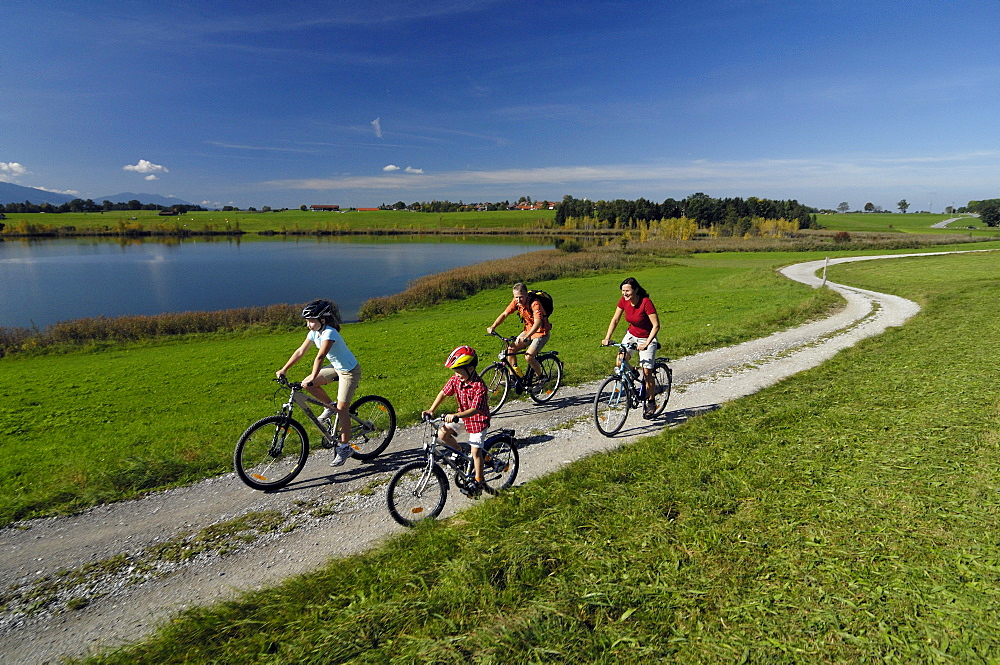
(336,512)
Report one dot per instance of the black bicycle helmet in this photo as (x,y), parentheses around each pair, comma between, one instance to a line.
(318,309)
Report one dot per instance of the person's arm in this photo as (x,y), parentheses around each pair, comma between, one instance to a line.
(295,357)
(536,315)
(655,320)
(324,348)
(434,405)
(500,319)
(611,327)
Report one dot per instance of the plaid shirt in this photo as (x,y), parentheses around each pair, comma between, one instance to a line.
(470,394)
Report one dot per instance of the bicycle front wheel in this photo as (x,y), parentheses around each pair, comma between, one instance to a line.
(416,493)
(553,369)
(497,386)
(664,378)
(271,453)
(373,422)
(611,405)
(500,463)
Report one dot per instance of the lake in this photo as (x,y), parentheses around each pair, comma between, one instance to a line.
(43,282)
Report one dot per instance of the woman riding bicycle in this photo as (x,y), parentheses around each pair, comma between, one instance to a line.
(323,321)
(537,327)
(640,313)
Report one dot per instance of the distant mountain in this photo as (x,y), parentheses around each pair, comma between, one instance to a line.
(154,199)
(11,193)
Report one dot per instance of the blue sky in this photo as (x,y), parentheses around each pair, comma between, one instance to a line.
(358,103)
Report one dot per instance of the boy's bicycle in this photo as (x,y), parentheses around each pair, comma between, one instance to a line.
(273,450)
(418,490)
(626,389)
(500,377)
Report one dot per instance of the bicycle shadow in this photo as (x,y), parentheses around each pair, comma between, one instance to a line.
(527,407)
(666,419)
(353,470)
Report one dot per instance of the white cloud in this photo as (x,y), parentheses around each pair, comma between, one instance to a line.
(151,177)
(377,124)
(71,192)
(410,169)
(975,170)
(390,167)
(144,166)
(11,170)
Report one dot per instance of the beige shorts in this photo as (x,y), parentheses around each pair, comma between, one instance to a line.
(347,382)
(536,344)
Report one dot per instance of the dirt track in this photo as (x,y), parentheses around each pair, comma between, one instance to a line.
(334,515)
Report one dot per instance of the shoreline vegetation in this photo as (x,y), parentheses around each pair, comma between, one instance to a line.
(621,251)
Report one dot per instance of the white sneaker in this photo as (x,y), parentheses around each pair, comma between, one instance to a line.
(327,414)
(343,453)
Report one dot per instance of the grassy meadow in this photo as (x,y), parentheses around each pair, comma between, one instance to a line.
(289,220)
(847,514)
(85,426)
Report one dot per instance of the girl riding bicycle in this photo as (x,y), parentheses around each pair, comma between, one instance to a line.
(473,415)
(323,321)
(640,313)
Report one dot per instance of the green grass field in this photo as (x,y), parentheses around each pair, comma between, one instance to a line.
(893,222)
(290,220)
(847,514)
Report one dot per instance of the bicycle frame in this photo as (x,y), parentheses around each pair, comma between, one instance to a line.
(632,375)
(298,397)
(505,356)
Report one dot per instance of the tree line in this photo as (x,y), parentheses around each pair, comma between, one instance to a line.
(88,205)
(730,216)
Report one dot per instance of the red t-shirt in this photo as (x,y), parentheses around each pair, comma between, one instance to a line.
(470,394)
(638,317)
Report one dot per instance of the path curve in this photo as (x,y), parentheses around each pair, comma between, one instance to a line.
(335,513)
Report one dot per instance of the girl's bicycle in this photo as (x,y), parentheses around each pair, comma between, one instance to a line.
(418,490)
(273,450)
(626,389)
(501,377)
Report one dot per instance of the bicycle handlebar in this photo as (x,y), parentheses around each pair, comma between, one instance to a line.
(509,340)
(622,345)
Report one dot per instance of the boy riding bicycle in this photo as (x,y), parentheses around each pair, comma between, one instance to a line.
(473,415)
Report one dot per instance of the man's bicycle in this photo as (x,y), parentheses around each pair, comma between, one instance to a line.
(625,389)
(273,450)
(500,377)
(418,490)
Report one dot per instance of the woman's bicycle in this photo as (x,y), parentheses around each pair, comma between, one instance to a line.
(418,490)
(626,389)
(273,450)
(501,377)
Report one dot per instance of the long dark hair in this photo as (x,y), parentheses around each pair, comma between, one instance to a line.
(634,283)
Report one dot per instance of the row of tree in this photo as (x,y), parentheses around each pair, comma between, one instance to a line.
(88,205)
(729,214)
(844,206)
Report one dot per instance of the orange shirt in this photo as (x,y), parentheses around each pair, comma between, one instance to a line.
(529,315)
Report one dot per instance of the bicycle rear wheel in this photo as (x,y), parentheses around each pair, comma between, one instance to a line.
(416,493)
(611,405)
(378,423)
(664,378)
(500,463)
(497,386)
(271,452)
(552,368)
